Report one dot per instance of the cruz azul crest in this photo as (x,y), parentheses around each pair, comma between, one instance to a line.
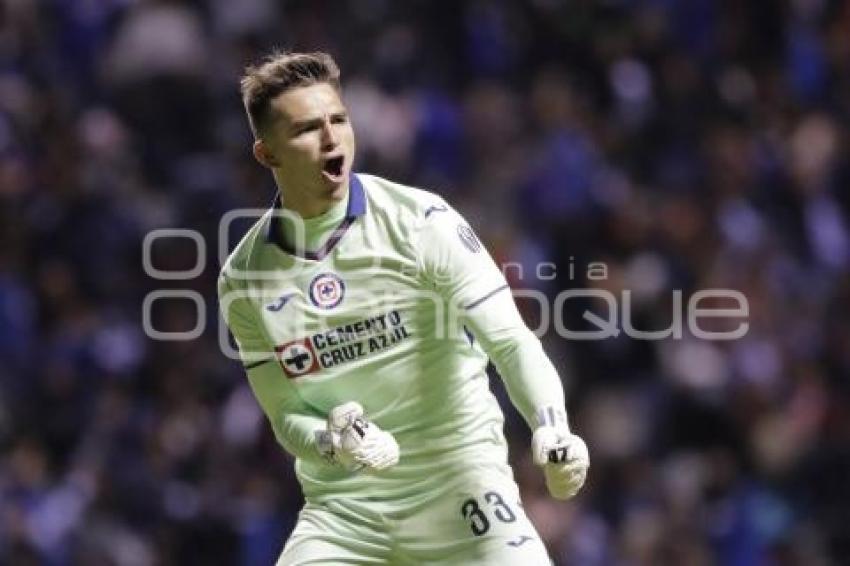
(326,290)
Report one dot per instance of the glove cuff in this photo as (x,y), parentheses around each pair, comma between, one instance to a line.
(550,415)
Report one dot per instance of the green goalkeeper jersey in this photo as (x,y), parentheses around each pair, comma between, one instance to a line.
(397,307)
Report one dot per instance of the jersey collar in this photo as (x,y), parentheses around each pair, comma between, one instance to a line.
(356,208)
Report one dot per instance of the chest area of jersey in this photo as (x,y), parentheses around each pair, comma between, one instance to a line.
(331,322)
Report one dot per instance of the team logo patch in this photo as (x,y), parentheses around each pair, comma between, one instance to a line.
(435,208)
(326,290)
(279,303)
(297,358)
(468,239)
(520,541)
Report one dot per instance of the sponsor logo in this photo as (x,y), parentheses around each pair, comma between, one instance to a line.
(519,542)
(279,303)
(343,344)
(435,208)
(297,358)
(326,290)
(468,239)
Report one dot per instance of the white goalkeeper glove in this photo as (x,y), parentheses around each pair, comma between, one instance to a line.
(358,443)
(562,455)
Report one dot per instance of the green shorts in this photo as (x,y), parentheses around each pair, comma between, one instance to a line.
(471,517)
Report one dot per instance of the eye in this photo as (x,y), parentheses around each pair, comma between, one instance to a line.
(339,119)
(305,129)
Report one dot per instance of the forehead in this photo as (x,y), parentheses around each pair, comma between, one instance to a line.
(307,102)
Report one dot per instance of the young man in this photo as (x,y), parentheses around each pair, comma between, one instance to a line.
(365,312)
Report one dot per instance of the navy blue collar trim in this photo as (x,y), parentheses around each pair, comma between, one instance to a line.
(356,208)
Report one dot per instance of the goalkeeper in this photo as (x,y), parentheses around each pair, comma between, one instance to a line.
(365,313)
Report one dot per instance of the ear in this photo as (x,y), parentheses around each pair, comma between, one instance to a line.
(264,156)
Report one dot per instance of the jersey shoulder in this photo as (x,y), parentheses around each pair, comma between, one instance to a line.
(406,204)
(245,255)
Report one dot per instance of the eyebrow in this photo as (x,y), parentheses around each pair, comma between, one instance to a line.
(314,121)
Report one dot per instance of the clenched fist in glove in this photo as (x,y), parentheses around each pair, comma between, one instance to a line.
(358,443)
(562,455)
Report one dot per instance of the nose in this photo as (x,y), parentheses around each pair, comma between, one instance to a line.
(329,137)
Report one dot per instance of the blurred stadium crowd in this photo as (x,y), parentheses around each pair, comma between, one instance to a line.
(687,144)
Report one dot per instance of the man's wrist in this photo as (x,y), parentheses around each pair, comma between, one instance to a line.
(553,416)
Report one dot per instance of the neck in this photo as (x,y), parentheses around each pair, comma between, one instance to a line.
(304,209)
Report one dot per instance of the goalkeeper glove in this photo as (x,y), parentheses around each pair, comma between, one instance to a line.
(359,443)
(562,455)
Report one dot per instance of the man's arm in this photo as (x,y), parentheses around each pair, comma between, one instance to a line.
(296,426)
(463,272)
(458,266)
(531,380)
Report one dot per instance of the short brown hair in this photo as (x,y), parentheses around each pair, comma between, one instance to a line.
(278,72)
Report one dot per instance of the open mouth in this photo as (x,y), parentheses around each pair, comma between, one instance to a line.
(333,167)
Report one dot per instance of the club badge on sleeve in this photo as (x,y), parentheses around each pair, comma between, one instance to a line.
(468,238)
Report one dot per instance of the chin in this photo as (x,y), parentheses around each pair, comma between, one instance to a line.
(338,190)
